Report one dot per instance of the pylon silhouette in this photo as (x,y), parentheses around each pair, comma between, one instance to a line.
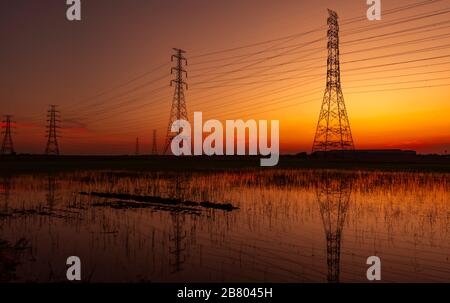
(333,128)
(154,146)
(178,110)
(7,145)
(53,119)
(137,146)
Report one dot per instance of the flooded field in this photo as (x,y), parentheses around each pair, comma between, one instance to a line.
(243,226)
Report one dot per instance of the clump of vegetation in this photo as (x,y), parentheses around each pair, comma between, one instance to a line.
(160,200)
(9,258)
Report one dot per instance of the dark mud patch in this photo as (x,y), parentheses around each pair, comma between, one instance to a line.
(10,255)
(17,213)
(156,207)
(174,203)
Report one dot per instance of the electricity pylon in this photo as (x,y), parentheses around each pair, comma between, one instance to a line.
(137,146)
(53,119)
(178,110)
(333,196)
(7,145)
(333,128)
(154,146)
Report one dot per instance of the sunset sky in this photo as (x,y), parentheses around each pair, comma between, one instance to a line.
(247,59)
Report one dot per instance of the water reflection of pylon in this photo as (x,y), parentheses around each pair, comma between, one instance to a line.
(5,191)
(178,245)
(178,237)
(333,196)
(51,191)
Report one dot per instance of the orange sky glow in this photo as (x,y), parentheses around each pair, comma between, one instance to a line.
(109,74)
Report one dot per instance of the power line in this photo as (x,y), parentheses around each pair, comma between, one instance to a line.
(318,29)
(374,28)
(121,85)
(275,91)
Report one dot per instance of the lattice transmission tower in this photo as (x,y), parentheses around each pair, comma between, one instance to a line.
(53,119)
(154,146)
(178,110)
(7,145)
(136,152)
(333,128)
(333,196)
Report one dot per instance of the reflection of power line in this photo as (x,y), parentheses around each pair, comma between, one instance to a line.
(333,196)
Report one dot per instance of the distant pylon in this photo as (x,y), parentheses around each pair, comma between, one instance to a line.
(154,146)
(53,119)
(178,110)
(333,128)
(7,145)
(137,146)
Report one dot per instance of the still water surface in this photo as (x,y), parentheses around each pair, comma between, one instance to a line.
(290,226)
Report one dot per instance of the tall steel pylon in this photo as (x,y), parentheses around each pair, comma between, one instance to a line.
(154,146)
(333,197)
(53,118)
(178,110)
(333,128)
(7,145)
